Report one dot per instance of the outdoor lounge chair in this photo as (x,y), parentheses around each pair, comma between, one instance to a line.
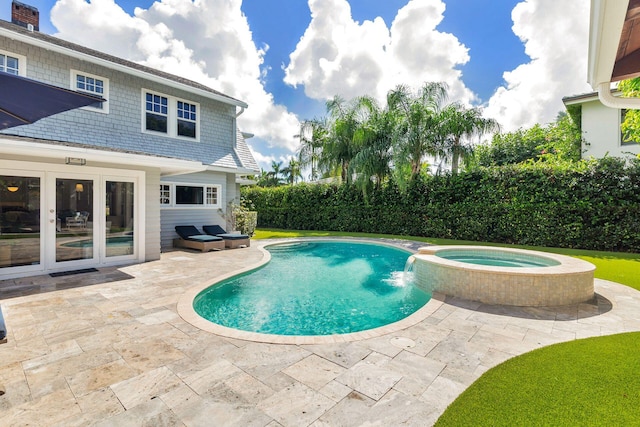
(191,238)
(231,241)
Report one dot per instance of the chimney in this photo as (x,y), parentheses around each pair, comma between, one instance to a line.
(26,16)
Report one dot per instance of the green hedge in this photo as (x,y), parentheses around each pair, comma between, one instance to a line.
(590,205)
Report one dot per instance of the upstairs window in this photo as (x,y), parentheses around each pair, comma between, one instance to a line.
(12,63)
(186,119)
(157,113)
(173,117)
(95,85)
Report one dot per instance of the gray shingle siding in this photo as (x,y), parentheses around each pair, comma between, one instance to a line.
(122,127)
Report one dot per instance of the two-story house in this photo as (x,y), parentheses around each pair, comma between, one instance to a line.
(106,184)
(600,127)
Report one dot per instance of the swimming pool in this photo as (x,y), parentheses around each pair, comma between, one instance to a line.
(316,288)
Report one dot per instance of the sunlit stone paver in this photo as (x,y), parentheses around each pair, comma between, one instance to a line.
(110,348)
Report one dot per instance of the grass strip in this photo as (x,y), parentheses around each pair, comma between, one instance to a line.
(592,381)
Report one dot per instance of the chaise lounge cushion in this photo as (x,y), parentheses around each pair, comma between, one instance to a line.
(216,230)
(231,241)
(191,238)
(189,232)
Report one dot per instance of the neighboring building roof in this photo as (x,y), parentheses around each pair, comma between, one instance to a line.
(585,97)
(55,44)
(576,99)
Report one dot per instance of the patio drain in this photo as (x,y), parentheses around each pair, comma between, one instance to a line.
(402,342)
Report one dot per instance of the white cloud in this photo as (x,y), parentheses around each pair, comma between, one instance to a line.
(555,35)
(208,41)
(339,56)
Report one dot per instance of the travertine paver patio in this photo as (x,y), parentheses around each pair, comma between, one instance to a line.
(109,348)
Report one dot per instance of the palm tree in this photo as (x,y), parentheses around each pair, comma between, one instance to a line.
(418,132)
(373,139)
(274,174)
(340,147)
(292,172)
(263,179)
(460,123)
(313,134)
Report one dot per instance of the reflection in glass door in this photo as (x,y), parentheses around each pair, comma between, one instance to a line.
(19,221)
(74,219)
(119,211)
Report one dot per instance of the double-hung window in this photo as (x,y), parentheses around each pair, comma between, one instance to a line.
(186,119)
(173,117)
(95,85)
(157,113)
(12,63)
(190,195)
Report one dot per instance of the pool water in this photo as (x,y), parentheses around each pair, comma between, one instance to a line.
(497,262)
(496,258)
(316,288)
(118,241)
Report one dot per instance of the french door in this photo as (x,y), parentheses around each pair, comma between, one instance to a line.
(58,220)
(72,221)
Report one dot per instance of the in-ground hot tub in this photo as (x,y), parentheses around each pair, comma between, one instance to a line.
(504,276)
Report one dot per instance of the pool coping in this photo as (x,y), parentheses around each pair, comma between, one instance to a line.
(186,311)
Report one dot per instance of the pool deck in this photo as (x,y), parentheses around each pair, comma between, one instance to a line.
(110,349)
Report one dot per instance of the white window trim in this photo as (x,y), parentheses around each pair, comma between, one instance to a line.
(172,204)
(22,62)
(172,116)
(105,95)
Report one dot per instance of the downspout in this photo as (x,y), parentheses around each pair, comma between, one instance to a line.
(619,102)
(235,148)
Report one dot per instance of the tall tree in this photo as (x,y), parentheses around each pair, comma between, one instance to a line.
(374,140)
(340,146)
(292,171)
(274,174)
(417,133)
(458,125)
(313,135)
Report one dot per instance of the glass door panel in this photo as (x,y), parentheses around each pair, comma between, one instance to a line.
(19,221)
(119,210)
(74,219)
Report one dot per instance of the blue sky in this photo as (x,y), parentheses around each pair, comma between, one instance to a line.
(285,58)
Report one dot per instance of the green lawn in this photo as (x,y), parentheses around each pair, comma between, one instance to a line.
(586,382)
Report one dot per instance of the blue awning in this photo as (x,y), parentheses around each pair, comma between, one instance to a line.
(24,101)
